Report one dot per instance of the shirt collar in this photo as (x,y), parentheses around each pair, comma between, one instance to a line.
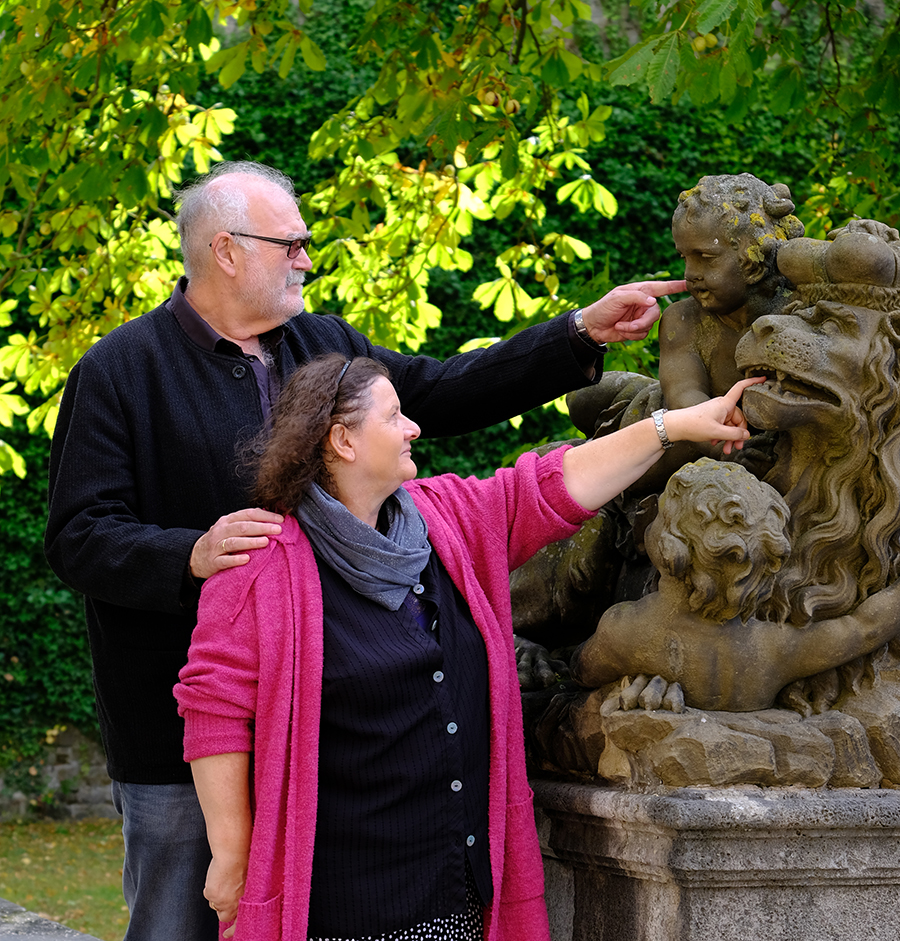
(199,330)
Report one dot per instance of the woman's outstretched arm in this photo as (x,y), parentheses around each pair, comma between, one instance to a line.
(600,469)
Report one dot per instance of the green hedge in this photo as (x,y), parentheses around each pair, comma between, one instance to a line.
(45,672)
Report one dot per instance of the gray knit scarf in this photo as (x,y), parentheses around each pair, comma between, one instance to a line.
(382,568)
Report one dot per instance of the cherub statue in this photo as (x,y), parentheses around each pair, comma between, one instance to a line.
(728,230)
(719,542)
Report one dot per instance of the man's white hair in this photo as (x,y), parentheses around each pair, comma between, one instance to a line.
(218,202)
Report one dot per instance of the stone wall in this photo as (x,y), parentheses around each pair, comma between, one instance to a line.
(68,781)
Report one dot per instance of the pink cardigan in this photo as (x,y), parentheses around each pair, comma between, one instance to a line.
(256,660)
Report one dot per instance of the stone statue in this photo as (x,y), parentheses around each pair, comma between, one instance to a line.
(719,542)
(738,593)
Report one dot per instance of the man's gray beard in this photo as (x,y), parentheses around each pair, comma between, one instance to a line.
(274,303)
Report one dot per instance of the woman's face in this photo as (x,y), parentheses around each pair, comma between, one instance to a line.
(383,442)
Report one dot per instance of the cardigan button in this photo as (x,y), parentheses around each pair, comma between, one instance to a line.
(239,372)
(437,676)
(456,785)
(452,727)
(470,840)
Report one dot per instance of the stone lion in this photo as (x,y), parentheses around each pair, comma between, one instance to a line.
(833,395)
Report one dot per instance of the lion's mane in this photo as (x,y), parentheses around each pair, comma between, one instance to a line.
(845,529)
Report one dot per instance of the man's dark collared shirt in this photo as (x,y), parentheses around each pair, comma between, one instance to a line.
(268,381)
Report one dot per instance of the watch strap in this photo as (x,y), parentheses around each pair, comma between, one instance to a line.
(657,417)
(581,331)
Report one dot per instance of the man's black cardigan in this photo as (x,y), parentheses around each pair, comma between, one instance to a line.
(144,461)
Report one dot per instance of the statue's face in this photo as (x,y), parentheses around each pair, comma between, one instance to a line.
(812,359)
(711,266)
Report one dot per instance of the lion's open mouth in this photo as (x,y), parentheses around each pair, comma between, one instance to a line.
(789,388)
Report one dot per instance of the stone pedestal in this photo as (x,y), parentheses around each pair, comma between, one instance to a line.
(720,864)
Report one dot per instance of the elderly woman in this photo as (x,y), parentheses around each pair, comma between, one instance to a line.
(352,712)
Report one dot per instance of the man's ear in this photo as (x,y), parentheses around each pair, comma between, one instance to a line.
(341,441)
(223,249)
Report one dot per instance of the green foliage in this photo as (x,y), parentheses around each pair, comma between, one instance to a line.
(829,70)
(96,124)
(426,186)
(45,675)
(450,123)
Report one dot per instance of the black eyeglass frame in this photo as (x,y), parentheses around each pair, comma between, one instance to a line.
(294,246)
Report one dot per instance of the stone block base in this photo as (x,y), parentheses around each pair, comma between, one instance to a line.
(720,864)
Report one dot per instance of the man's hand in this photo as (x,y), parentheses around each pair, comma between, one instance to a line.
(628,311)
(229,540)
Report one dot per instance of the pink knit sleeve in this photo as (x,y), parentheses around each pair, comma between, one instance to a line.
(217,689)
(519,510)
(539,508)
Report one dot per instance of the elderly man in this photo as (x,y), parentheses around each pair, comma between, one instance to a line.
(147,491)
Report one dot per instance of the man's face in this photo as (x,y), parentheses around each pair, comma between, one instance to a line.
(271,284)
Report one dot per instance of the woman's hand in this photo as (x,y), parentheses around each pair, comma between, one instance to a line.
(225,882)
(603,467)
(715,420)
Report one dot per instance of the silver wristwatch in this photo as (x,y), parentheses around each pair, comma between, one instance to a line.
(657,417)
(581,331)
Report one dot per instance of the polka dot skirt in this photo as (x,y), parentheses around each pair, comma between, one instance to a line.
(466,927)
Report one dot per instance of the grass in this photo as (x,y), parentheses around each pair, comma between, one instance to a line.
(67,871)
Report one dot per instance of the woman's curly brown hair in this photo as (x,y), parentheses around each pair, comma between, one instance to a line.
(292,452)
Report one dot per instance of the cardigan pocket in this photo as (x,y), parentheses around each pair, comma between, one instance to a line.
(523,869)
(259,920)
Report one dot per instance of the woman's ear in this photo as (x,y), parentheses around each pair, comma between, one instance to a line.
(340,441)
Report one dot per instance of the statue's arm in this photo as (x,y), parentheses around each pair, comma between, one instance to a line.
(610,651)
(833,641)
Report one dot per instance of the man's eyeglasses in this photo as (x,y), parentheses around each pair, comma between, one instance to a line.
(294,246)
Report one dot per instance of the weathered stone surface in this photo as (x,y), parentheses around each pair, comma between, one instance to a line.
(720,864)
(858,746)
(567,585)
(635,729)
(771,747)
(72,781)
(712,754)
(854,765)
(878,710)
(585,716)
(17,923)
(803,754)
